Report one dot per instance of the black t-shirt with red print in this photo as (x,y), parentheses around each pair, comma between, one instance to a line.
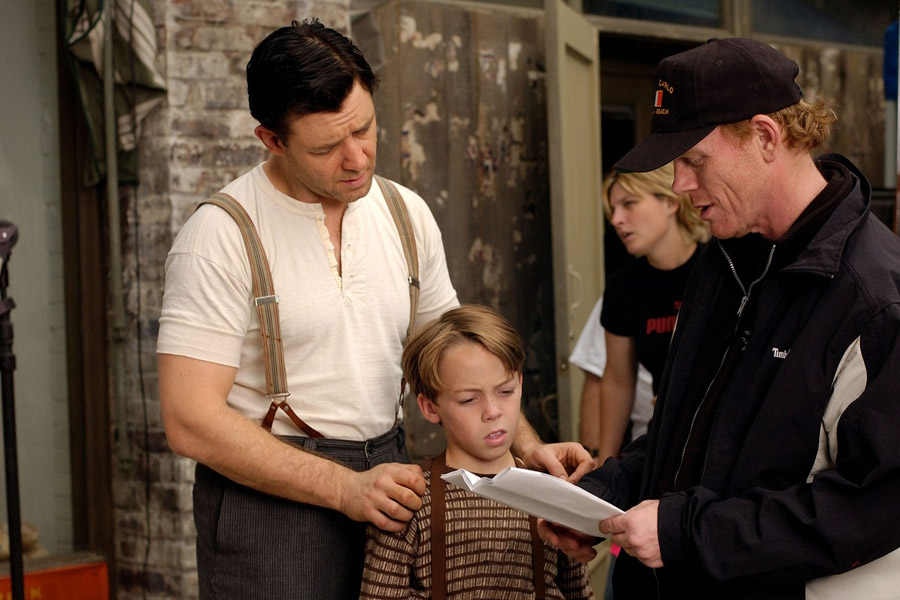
(642,302)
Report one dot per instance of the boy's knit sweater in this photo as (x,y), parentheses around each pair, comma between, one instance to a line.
(488,555)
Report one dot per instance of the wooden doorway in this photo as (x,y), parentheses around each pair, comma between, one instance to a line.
(627,85)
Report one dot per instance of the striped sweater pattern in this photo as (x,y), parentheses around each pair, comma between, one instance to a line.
(488,548)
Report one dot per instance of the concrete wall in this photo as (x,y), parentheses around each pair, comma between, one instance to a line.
(30,198)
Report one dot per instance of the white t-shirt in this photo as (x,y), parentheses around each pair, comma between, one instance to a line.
(342,335)
(590,355)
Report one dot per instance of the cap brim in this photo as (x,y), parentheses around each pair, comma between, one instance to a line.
(660,148)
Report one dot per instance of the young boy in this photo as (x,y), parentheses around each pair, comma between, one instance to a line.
(465,369)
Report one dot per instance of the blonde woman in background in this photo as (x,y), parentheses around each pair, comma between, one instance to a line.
(641,300)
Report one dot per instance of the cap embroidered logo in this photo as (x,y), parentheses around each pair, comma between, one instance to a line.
(723,81)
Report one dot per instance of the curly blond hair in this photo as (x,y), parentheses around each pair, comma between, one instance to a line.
(806,125)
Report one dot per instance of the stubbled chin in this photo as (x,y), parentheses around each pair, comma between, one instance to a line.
(357,191)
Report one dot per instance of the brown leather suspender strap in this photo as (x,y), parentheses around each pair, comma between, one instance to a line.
(537,560)
(266,302)
(438,539)
(408,240)
(438,547)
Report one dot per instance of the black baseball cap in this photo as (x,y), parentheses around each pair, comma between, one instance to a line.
(725,80)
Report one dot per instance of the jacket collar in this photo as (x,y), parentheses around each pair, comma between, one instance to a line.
(823,254)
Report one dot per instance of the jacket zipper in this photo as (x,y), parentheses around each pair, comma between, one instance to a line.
(745,292)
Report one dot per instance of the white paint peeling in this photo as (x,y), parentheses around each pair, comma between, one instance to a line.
(414,157)
(516,148)
(456,40)
(486,61)
(475,250)
(492,273)
(442,198)
(429,42)
(492,67)
(452,56)
(513,51)
(517,236)
(458,123)
(443,58)
(407,28)
(431,113)
(534,75)
(434,67)
(517,128)
(411,151)
(472,148)
(410,35)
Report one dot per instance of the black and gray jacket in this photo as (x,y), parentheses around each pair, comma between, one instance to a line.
(799,490)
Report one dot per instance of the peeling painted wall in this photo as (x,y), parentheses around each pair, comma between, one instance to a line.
(463,121)
(852,80)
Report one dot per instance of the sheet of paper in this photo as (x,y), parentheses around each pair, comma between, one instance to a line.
(541,495)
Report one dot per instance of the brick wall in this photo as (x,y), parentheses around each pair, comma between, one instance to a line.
(201,139)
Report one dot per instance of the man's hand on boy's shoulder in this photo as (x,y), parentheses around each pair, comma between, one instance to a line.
(386,495)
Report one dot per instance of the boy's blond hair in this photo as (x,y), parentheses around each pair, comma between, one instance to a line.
(466,323)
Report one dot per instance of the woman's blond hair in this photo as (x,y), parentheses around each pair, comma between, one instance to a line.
(467,323)
(659,183)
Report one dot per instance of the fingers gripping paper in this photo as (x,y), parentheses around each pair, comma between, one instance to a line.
(541,495)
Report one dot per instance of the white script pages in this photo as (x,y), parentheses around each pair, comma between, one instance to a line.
(541,495)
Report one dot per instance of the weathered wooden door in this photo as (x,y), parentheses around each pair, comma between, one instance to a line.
(573,105)
(462,119)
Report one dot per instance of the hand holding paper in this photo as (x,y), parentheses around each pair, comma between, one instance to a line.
(541,495)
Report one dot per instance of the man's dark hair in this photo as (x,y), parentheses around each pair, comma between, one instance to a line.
(301,69)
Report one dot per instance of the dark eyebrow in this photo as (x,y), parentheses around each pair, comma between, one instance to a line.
(327,147)
(324,148)
(366,126)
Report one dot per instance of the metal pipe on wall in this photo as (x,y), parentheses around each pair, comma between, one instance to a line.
(117,302)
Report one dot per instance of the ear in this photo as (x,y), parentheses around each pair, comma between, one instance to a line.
(270,140)
(672,205)
(521,395)
(766,132)
(429,409)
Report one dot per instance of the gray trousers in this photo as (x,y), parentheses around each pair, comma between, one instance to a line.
(252,545)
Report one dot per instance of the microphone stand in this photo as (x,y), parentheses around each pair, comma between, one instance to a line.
(9,234)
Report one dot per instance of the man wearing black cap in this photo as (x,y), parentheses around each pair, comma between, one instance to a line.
(772,464)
